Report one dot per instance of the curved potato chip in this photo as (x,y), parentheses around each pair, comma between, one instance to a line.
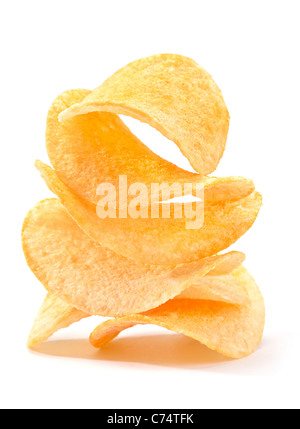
(224,288)
(53,315)
(159,241)
(227,267)
(232,330)
(56,314)
(173,94)
(94,279)
(97,148)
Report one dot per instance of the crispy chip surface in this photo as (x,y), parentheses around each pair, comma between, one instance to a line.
(224,288)
(173,94)
(96,148)
(232,330)
(94,279)
(53,315)
(159,241)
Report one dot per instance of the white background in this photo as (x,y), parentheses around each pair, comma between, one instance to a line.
(252,51)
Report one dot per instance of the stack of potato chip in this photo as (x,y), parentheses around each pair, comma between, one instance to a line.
(143,270)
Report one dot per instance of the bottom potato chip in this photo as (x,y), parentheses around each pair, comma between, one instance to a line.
(232,330)
(53,315)
(56,314)
(80,147)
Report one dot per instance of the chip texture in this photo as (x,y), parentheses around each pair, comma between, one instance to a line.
(159,241)
(95,148)
(232,330)
(223,288)
(94,279)
(53,315)
(173,94)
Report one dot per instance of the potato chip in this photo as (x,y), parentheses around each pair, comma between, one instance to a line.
(94,279)
(96,148)
(173,94)
(232,330)
(56,314)
(53,315)
(159,241)
(224,288)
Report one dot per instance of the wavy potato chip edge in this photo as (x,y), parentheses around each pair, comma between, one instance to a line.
(232,330)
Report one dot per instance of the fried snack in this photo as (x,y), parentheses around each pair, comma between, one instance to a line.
(136,239)
(232,330)
(56,314)
(173,94)
(95,148)
(53,315)
(140,266)
(94,279)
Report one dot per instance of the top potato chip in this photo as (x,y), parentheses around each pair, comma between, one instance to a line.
(173,94)
(96,148)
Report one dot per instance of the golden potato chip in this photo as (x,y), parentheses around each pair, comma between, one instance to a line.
(229,265)
(96,148)
(173,94)
(94,279)
(159,241)
(53,315)
(224,288)
(232,330)
(218,189)
(56,314)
